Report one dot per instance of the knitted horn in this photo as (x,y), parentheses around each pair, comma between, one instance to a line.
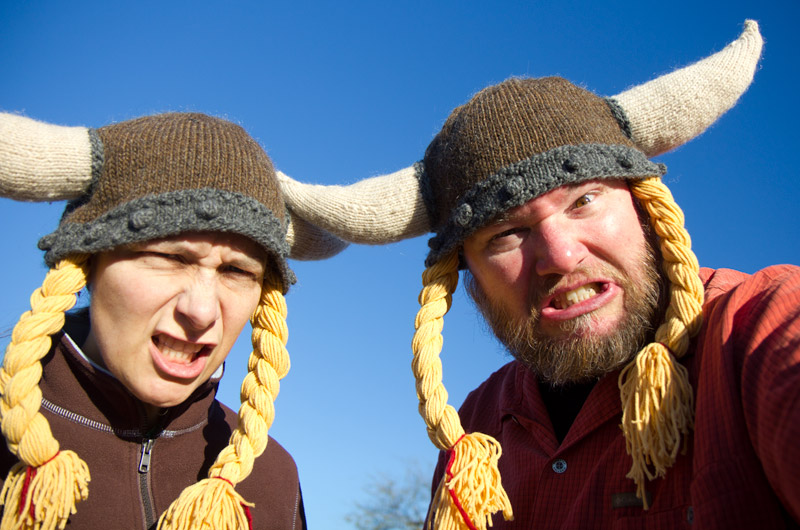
(377,210)
(308,242)
(674,108)
(44,162)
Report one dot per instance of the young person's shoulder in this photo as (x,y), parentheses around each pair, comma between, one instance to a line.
(275,456)
(273,485)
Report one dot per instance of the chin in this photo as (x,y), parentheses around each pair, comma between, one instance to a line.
(166,398)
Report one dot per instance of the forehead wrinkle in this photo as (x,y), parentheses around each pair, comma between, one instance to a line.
(234,249)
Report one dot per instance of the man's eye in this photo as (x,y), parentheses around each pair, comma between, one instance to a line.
(584,200)
(507,239)
(506,233)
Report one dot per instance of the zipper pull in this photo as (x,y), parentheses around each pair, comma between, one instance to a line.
(147,449)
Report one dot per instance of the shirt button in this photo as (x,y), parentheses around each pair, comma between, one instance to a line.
(559,466)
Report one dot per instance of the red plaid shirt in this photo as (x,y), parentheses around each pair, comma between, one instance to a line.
(742,468)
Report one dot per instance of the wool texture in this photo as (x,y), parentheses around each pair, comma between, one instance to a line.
(674,108)
(44,162)
(388,208)
(172,173)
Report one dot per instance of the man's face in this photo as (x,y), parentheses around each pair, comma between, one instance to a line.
(567,281)
(165,313)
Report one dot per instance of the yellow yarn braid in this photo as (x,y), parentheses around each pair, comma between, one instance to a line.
(213,502)
(470,490)
(657,399)
(41,490)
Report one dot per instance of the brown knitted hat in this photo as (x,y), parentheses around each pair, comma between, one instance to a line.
(162,175)
(515,141)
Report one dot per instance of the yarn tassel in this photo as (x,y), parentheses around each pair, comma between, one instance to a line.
(44,497)
(657,412)
(211,503)
(470,491)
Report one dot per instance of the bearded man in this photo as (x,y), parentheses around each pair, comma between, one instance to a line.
(645,391)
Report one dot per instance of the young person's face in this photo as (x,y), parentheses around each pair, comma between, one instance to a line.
(165,313)
(568,280)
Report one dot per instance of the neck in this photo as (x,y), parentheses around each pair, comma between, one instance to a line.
(152,415)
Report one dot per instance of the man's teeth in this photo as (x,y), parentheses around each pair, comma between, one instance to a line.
(584,292)
(177,350)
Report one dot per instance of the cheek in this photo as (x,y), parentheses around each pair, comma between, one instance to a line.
(507,273)
(237,311)
(127,295)
(618,234)
(505,278)
(125,304)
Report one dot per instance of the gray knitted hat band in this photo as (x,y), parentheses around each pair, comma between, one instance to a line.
(522,181)
(171,213)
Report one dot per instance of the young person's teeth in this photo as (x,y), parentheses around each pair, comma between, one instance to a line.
(177,350)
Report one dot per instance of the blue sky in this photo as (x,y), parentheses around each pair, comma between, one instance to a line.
(340,91)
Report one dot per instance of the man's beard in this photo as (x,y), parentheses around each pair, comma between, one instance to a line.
(578,355)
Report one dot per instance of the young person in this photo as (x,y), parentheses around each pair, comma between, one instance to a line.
(178,230)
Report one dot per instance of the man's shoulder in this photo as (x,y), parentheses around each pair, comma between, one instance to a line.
(743,310)
(773,279)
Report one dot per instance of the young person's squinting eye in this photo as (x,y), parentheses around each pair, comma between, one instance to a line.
(243,272)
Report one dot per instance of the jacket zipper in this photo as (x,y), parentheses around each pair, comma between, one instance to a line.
(145,455)
(144,487)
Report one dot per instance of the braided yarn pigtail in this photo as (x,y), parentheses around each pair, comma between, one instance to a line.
(40,491)
(213,502)
(657,399)
(470,490)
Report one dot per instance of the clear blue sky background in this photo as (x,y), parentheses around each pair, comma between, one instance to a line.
(339,91)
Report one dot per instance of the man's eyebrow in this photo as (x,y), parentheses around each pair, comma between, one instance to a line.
(502,217)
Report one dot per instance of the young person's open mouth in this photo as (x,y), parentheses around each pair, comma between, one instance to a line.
(178,358)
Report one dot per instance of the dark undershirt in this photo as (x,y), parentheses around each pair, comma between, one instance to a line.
(563,404)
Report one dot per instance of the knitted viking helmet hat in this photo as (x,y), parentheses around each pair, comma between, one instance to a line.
(512,143)
(136,181)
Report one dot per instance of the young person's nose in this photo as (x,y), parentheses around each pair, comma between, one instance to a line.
(199,303)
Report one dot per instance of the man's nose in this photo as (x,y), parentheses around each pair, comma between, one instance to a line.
(557,249)
(199,302)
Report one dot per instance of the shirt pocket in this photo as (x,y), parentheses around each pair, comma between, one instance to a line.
(675,517)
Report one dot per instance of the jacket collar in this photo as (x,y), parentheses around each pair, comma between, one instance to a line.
(71,381)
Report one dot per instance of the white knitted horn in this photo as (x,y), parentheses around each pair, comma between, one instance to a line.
(309,243)
(672,109)
(43,162)
(374,211)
